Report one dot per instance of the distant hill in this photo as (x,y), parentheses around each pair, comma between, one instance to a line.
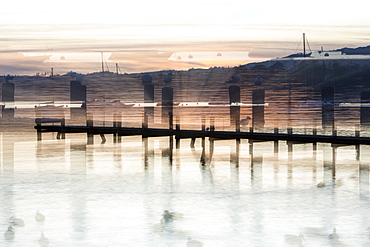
(356,51)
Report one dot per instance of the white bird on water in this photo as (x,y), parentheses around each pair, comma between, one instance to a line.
(245,121)
(166,216)
(16,221)
(9,234)
(39,217)
(334,235)
(193,243)
(43,241)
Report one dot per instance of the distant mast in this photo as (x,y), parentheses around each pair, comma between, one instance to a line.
(102,62)
(304,45)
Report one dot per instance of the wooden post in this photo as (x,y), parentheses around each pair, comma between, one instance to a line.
(276,131)
(39,133)
(90,132)
(177,137)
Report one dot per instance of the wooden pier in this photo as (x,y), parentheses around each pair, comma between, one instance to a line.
(179,134)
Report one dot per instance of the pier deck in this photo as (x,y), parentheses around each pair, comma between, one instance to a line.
(181,134)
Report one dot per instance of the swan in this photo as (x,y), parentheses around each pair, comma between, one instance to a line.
(43,241)
(321,185)
(166,216)
(193,243)
(39,217)
(16,221)
(9,234)
(334,236)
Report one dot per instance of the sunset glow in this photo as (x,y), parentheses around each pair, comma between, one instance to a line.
(264,29)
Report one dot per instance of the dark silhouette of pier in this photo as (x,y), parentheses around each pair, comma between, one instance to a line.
(179,133)
(168,128)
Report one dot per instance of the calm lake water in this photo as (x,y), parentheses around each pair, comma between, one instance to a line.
(227,193)
(114,194)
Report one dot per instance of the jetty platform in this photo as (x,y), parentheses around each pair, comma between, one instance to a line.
(61,129)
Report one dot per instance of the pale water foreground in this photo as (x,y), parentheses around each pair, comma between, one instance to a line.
(113,194)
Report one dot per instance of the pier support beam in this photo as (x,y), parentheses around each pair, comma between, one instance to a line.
(90,132)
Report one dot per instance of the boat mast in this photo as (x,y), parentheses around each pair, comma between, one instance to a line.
(304,45)
(102,62)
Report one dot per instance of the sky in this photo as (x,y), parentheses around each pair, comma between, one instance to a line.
(141,36)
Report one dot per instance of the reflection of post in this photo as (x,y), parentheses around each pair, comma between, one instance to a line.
(7,96)
(117,124)
(167,147)
(167,165)
(8,152)
(203,129)
(167,152)
(167,105)
(290,161)
(7,174)
(276,143)
(148,96)
(234,156)
(256,167)
(78,158)
(78,94)
(364,171)
(203,158)
(258,108)
(328,107)
(78,183)
(329,163)
(234,97)
(365,108)
(148,154)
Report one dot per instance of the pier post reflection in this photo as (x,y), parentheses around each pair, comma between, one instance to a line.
(148,154)
(364,171)
(235,154)
(78,188)
(329,156)
(117,123)
(167,183)
(256,166)
(7,152)
(7,174)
